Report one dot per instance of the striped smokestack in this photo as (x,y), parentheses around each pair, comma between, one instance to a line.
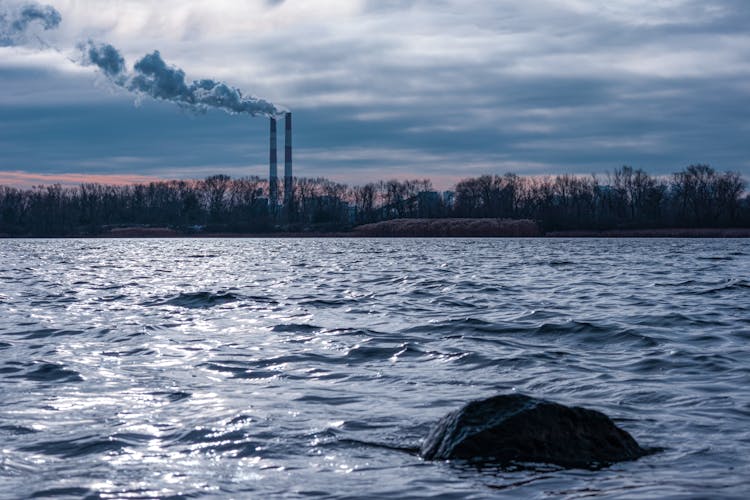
(273,174)
(288,186)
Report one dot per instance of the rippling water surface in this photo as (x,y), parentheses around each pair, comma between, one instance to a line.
(264,368)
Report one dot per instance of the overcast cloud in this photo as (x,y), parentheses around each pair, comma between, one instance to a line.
(380,88)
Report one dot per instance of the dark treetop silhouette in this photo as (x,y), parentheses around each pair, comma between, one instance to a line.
(626,199)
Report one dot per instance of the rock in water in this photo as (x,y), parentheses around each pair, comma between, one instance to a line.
(517,428)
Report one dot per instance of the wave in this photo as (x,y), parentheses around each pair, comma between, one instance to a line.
(244,372)
(324,303)
(17,429)
(697,287)
(148,379)
(173,397)
(197,300)
(576,331)
(238,443)
(72,448)
(296,328)
(42,333)
(47,372)
(64,492)
(729,286)
(715,257)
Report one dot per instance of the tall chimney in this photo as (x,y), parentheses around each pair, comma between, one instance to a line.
(288,186)
(273,174)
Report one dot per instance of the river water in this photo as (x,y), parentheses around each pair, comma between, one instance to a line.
(253,368)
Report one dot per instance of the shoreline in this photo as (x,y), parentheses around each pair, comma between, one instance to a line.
(420,228)
(700,233)
(654,233)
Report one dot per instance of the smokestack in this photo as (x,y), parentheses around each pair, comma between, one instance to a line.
(288,187)
(273,174)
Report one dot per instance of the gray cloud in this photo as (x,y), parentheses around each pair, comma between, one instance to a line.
(443,87)
(106,58)
(14,24)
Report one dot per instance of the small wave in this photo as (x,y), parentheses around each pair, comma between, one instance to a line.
(112,298)
(651,365)
(241,419)
(17,429)
(450,302)
(63,492)
(237,443)
(50,372)
(115,286)
(89,445)
(681,283)
(42,333)
(243,372)
(576,331)
(262,300)
(695,287)
(323,303)
(173,396)
(329,400)
(573,326)
(296,328)
(11,367)
(716,257)
(634,338)
(731,285)
(455,326)
(671,319)
(412,448)
(366,353)
(197,300)
(143,351)
(561,263)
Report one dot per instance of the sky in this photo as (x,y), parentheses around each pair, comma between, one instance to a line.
(380,89)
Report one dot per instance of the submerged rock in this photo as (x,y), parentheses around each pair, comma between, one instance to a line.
(517,428)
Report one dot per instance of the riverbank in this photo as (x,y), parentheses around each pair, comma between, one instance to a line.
(442,228)
(427,228)
(655,233)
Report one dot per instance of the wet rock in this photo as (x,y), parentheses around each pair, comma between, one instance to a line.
(516,428)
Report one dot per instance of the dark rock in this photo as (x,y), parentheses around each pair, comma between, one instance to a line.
(517,428)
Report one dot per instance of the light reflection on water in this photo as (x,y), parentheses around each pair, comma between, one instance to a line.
(263,367)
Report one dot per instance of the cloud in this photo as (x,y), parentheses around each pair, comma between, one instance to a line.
(106,58)
(14,23)
(568,85)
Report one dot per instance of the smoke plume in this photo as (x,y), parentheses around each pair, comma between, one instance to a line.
(14,24)
(153,77)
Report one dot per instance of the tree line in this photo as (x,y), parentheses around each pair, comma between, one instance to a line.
(697,196)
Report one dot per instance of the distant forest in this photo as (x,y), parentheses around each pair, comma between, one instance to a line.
(627,198)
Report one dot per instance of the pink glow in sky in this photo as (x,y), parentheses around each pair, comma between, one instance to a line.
(27,179)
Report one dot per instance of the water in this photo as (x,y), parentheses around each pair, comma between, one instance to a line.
(263,368)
